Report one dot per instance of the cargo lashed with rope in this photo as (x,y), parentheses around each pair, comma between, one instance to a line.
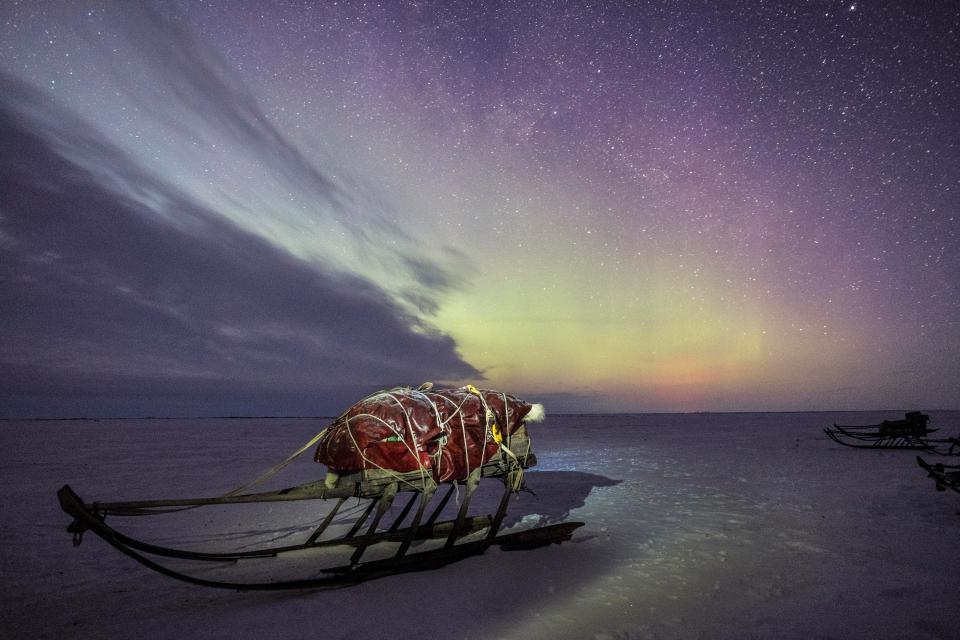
(444,433)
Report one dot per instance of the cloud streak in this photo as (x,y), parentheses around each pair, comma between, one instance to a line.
(214,101)
(118,289)
(201,127)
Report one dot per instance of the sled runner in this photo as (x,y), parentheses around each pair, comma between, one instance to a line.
(400,443)
(946,476)
(910,433)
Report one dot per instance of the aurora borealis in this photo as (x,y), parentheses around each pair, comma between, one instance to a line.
(269,208)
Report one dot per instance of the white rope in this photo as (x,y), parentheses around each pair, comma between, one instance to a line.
(366,460)
(463,428)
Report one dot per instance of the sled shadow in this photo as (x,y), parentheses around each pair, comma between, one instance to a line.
(501,589)
(555,494)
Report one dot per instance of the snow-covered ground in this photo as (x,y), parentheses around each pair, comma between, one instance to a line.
(698,526)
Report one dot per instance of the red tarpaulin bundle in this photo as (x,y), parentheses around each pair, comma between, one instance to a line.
(446,433)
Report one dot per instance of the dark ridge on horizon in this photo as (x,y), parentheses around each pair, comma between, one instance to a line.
(87,419)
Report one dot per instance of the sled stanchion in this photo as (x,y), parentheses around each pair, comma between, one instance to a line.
(472,481)
(425,497)
(403,514)
(508,482)
(326,521)
(443,502)
(363,518)
(382,505)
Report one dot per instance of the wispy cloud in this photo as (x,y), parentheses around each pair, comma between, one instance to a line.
(118,285)
(208,134)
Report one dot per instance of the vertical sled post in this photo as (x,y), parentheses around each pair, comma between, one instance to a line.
(382,505)
(326,522)
(403,514)
(425,497)
(363,518)
(508,484)
(443,502)
(472,481)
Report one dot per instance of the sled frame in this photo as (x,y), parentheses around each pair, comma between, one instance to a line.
(379,488)
(870,438)
(946,476)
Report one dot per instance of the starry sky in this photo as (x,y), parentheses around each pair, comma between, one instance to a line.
(214,208)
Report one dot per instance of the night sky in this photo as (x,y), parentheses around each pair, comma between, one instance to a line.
(212,208)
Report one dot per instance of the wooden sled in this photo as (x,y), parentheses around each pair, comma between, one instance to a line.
(910,433)
(946,476)
(403,539)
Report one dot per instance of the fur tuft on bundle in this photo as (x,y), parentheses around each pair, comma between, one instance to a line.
(536,414)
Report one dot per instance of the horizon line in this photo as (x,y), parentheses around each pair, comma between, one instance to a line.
(563,414)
